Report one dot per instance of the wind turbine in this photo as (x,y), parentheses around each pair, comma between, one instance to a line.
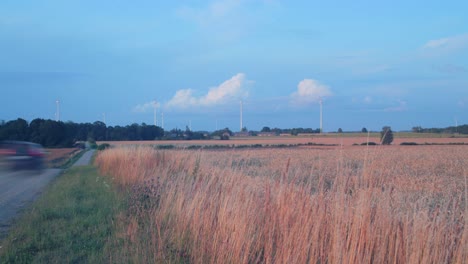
(162,120)
(57,114)
(155,104)
(321,115)
(241,124)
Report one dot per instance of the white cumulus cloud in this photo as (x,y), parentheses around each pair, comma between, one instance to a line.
(229,90)
(309,91)
(142,108)
(436,43)
(446,45)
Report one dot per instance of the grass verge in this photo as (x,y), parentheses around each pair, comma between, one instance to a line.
(72,222)
(67,164)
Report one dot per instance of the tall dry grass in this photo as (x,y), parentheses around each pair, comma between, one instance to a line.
(378,205)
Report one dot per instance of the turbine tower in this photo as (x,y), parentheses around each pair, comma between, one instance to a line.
(155,104)
(162,120)
(57,113)
(241,125)
(321,116)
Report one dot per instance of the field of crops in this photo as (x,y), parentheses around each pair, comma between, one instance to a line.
(325,139)
(384,204)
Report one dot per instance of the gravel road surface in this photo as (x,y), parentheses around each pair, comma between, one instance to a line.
(20,188)
(85,159)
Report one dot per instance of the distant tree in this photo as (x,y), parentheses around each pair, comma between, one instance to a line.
(417,129)
(219,133)
(35,132)
(188,133)
(133,132)
(99,131)
(15,130)
(244,129)
(364,130)
(52,133)
(225,136)
(266,129)
(386,136)
(340,130)
(277,131)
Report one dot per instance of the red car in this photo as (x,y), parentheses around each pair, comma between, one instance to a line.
(20,155)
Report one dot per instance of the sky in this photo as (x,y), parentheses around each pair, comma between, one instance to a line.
(372,63)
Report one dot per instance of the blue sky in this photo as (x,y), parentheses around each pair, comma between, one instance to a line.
(399,63)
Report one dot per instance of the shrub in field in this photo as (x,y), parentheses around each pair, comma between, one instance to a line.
(368,144)
(103,146)
(292,205)
(408,143)
(386,136)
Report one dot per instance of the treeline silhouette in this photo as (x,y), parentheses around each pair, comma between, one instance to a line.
(463,129)
(50,133)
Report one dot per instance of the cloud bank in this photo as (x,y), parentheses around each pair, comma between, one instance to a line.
(309,91)
(230,90)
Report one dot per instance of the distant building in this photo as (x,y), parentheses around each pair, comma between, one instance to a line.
(266,134)
(305,134)
(242,134)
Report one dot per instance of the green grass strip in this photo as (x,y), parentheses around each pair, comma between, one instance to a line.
(72,222)
(72,160)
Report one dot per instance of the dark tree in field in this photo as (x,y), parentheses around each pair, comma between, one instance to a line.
(364,130)
(340,130)
(386,135)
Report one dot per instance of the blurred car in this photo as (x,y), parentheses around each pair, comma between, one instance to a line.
(21,155)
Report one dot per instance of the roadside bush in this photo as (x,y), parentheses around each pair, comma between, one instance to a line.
(103,146)
(93,145)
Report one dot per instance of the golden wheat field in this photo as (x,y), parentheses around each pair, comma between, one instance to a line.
(324,139)
(391,204)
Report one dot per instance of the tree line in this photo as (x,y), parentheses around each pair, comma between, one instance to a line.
(50,133)
(463,129)
(292,131)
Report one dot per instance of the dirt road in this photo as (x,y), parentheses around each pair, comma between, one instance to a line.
(85,159)
(19,188)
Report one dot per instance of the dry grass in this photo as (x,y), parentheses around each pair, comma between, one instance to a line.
(329,139)
(58,156)
(58,153)
(352,205)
